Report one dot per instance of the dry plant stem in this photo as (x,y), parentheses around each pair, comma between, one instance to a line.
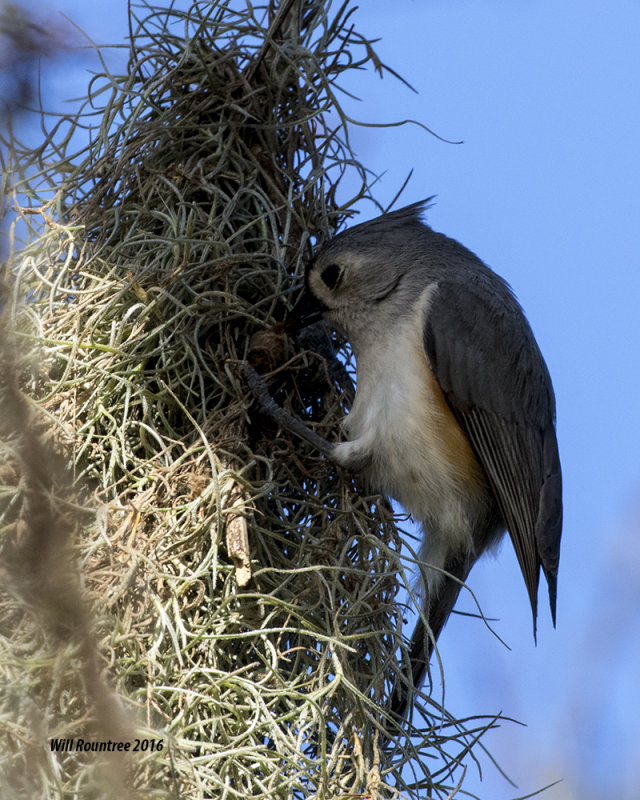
(237,537)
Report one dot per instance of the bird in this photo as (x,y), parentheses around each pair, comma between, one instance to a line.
(454,411)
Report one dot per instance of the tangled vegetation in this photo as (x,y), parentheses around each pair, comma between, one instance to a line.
(176,570)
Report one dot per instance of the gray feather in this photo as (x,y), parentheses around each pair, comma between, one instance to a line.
(490,369)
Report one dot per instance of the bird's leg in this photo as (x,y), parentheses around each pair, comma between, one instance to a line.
(283,418)
(353,456)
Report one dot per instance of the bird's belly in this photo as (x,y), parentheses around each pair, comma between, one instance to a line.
(415,456)
(415,450)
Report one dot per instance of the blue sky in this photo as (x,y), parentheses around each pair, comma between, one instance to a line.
(546,98)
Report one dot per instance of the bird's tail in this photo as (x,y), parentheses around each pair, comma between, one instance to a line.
(423,640)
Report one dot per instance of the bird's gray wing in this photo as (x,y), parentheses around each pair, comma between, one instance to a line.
(488,365)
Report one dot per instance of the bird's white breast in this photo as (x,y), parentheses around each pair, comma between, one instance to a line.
(405,436)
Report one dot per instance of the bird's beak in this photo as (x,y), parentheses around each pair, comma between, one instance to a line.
(306,311)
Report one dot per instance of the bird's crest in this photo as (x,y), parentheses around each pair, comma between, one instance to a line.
(395,219)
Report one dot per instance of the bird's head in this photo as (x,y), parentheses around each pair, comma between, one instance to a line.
(357,277)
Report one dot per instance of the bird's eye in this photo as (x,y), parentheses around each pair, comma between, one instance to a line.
(331,276)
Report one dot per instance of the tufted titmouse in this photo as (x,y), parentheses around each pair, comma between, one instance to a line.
(454,413)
